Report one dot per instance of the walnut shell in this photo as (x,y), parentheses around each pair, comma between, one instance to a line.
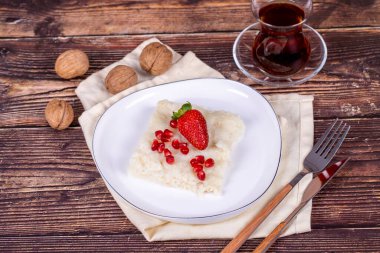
(59,114)
(72,63)
(120,78)
(156,58)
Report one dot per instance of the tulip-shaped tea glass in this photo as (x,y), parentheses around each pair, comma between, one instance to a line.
(280,49)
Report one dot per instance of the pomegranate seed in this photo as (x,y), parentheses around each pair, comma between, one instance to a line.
(155,144)
(201,175)
(168,133)
(175,144)
(161,147)
(193,162)
(173,123)
(197,168)
(209,163)
(165,138)
(200,159)
(170,159)
(167,152)
(184,150)
(183,145)
(158,134)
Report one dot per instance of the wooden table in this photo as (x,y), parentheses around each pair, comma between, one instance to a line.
(51,194)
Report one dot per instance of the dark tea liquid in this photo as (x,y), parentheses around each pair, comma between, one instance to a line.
(278,49)
(281,14)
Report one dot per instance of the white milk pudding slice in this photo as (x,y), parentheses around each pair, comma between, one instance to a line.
(171,166)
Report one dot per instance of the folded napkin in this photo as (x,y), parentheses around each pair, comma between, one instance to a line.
(295,114)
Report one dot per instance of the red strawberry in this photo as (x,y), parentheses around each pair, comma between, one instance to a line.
(192,125)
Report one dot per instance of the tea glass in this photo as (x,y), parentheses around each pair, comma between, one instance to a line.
(280,55)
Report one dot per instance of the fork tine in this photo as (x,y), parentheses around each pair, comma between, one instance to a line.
(337,146)
(323,137)
(331,136)
(333,141)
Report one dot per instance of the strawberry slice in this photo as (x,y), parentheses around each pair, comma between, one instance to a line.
(192,125)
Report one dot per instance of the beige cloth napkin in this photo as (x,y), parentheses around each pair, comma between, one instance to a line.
(295,113)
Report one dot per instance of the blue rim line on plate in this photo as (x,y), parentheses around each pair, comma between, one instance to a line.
(196,217)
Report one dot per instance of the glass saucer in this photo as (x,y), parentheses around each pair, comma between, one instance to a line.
(242,53)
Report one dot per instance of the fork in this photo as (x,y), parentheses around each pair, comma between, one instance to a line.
(319,157)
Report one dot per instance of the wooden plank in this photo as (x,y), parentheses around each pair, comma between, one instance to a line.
(25,149)
(89,17)
(50,186)
(334,240)
(353,53)
(348,86)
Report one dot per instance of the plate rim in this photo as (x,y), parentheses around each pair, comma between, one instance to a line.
(187,217)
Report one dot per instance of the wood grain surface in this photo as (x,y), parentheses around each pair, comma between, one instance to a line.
(41,18)
(53,171)
(51,196)
(329,240)
(341,89)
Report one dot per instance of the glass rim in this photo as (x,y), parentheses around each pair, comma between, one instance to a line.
(306,11)
(282,26)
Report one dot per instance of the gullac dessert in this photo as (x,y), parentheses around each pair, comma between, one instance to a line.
(187,148)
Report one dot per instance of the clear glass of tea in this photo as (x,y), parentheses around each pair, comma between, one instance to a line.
(280,49)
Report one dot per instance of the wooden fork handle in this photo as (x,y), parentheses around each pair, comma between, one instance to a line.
(273,236)
(239,240)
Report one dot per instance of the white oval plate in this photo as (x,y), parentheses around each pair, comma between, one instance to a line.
(255,159)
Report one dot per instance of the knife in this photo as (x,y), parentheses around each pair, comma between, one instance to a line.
(316,184)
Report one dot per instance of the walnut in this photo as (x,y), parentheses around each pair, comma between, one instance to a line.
(120,78)
(156,58)
(72,63)
(59,114)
